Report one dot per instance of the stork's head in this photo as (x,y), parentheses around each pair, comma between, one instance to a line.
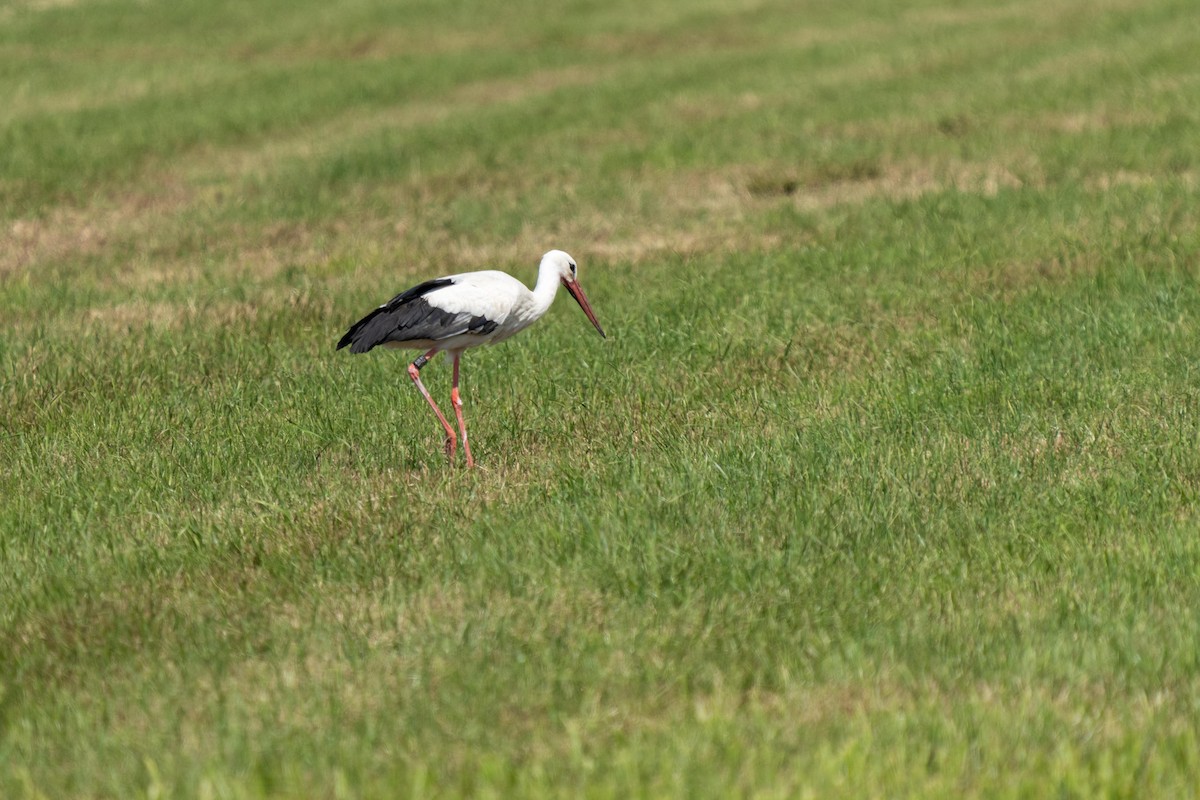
(568,273)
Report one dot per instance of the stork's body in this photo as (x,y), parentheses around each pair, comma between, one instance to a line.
(458,312)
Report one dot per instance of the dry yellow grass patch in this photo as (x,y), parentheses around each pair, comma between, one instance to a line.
(26,102)
(909,182)
(38,5)
(1085,121)
(1122,177)
(954,16)
(382,43)
(737,192)
(1023,11)
(138,313)
(68,234)
(587,239)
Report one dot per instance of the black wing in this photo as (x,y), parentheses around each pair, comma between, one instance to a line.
(408,316)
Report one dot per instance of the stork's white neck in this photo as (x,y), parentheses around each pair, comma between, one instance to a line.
(545,289)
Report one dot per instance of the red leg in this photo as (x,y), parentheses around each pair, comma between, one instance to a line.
(414,372)
(456,399)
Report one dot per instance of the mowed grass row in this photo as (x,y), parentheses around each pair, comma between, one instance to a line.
(884,482)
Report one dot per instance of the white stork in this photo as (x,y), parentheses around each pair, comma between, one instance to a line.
(461,311)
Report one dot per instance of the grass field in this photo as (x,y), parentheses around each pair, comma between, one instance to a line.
(886,481)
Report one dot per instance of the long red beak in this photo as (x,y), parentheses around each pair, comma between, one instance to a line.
(577,292)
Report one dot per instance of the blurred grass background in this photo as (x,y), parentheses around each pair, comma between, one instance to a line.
(884,483)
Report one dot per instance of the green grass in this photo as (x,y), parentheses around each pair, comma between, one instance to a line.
(885,483)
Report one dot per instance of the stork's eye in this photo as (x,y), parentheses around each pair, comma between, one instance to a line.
(572,269)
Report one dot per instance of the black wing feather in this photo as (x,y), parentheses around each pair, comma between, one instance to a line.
(408,316)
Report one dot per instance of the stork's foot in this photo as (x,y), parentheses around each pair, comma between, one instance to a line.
(449,446)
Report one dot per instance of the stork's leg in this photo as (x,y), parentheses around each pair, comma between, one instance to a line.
(456,399)
(414,372)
